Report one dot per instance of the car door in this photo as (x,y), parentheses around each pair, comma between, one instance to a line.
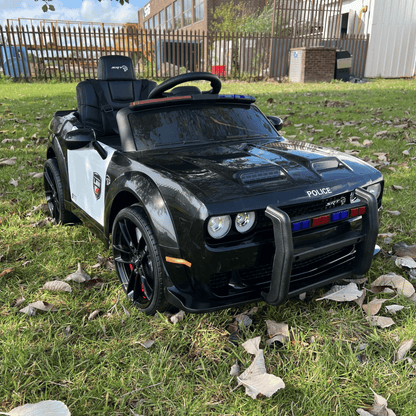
(87,179)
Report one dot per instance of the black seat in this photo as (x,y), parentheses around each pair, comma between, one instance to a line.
(116,87)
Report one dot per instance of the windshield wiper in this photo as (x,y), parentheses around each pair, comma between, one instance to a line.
(247,136)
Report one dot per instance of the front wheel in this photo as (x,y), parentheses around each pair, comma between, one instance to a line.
(137,260)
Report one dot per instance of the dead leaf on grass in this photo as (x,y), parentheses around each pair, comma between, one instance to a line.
(39,305)
(243,319)
(14,182)
(36,175)
(6,271)
(373,307)
(394,213)
(8,162)
(100,261)
(394,308)
(397,188)
(235,369)
(278,332)
(146,344)
(177,317)
(45,408)
(380,321)
(343,293)
(93,315)
(255,378)
(57,286)
(19,301)
(407,262)
(79,276)
(379,407)
(403,350)
(395,281)
(401,249)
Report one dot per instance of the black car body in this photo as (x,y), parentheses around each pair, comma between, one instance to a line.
(188,167)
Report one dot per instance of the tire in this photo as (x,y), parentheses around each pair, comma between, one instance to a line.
(54,193)
(137,260)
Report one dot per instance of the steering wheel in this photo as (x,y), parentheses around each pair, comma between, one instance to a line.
(158,91)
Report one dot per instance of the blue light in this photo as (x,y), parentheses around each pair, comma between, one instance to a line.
(305,224)
(344,214)
(296,226)
(335,216)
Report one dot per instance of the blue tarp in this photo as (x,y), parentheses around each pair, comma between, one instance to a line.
(14,61)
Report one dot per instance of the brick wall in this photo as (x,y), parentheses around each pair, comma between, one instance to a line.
(312,64)
(250,6)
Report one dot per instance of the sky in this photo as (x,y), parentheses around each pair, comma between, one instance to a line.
(105,11)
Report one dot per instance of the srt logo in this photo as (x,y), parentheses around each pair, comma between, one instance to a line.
(319,192)
(124,68)
(336,203)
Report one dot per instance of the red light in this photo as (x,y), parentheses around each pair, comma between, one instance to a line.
(354,212)
(361,211)
(320,221)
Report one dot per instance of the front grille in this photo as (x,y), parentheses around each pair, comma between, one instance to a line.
(304,273)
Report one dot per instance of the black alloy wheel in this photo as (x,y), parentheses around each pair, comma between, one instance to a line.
(137,260)
(55,193)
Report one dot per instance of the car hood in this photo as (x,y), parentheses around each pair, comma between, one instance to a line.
(230,171)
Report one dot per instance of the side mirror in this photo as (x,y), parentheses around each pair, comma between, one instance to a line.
(76,139)
(276,122)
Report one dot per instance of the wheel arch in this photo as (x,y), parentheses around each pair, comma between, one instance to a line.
(141,191)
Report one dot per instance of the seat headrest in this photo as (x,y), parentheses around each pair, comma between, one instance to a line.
(115,68)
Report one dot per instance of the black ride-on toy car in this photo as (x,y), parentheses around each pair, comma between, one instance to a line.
(207,205)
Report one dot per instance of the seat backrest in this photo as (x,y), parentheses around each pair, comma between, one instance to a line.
(117,81)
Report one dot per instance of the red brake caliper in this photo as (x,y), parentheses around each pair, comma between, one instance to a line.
(141,283)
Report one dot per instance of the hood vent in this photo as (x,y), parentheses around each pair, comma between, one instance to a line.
(327,164)
(261,175)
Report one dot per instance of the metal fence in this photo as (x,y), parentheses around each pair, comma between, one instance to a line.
(70,54)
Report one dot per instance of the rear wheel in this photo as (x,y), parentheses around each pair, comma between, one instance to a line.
(137,260)
(54,192)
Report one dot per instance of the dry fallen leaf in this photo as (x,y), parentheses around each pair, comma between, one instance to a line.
(100,261)
(45,408)
(342,293)
(19,301)
(380,321)
(177,317)
(79,276)
(394,213)
(243,319)
(401,249)
(6,271)
(277,332)
(394,308)
(93,315)
(397,188)
(373,307)
(147,344)
(403,349)
(39,305)
(255,378)
(9,162)
(235,369)
(405,262)
(57,286)
(393,280)
(14,182)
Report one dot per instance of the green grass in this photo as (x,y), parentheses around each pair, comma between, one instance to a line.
(100,367)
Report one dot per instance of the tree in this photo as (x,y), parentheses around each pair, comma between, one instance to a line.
(48,6)
(228,18)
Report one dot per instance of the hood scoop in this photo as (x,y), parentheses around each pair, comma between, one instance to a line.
(251,177)
(328,164)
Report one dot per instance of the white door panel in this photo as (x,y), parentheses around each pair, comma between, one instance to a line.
(87,176)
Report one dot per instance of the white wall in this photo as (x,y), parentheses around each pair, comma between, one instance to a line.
(391,51)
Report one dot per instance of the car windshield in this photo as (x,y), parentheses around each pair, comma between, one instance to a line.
(182,125)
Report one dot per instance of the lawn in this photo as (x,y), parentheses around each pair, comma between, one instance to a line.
(100,366)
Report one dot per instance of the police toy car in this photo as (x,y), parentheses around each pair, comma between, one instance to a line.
(205,205)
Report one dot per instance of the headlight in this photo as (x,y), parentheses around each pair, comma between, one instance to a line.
(218,227)
(244,221)
(374,189)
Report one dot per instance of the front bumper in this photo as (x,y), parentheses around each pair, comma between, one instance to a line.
(354,251)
